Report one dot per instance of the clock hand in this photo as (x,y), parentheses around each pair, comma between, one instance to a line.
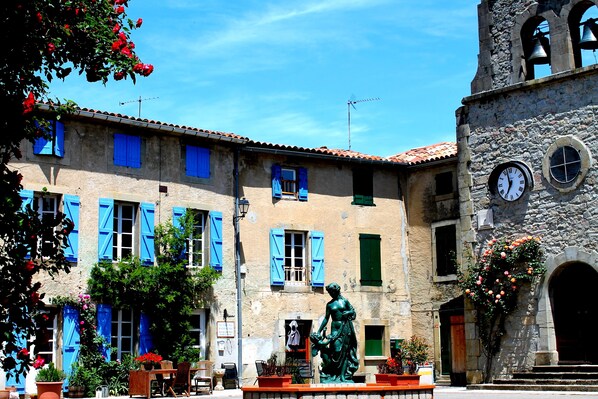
(510,182)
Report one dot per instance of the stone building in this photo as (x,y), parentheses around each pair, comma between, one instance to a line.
(532,112)
(384,229)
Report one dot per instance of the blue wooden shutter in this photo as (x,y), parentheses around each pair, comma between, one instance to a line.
(70,338)
(216,240)
(177,213)
(203,163)
(105,229)
(276,257)
(302,184)
(317,258)
(191,160)
(26,199)
(276,185)
(105,327)
(145,337)
(43,146)
(147,233)
(20,342)
(71,206)
(120,149)
(134,151)
(59,139)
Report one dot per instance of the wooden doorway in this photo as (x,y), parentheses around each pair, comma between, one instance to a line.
(575,313)
(452,341)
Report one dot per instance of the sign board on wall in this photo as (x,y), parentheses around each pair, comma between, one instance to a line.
(225,329)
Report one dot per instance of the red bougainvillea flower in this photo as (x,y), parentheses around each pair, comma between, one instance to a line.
(39,362)
(116,28)
(34,297)
(119,75)
(28,104)
(126,51)
(139,22)
(147,69)
(30,266)
(120,10)
(138,68)
(39,17)
(51,47)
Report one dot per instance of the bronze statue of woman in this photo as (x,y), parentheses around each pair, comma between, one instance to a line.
(338,349)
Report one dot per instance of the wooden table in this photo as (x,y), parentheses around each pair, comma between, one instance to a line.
(140,381)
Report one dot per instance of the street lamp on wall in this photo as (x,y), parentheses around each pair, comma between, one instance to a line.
(243,205)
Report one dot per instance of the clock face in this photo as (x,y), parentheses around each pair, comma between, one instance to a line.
(511,183)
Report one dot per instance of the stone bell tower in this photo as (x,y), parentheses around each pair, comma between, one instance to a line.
(534,110)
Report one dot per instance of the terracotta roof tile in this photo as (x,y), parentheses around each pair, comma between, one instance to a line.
(425,154)
(336,152)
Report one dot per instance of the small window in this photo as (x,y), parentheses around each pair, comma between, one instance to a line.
(122,333)
(363,187)
(370,260)
(445,245)
(196,243)
(565,164)
(295,272)
(123,231)
(46,344)
(197,331)
(46,207)
(374,340)
(444,183)
(127,150)
(52,142)
(197,162)
(289,182)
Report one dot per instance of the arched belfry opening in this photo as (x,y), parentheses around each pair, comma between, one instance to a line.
(535,40)
(583,25)
(574,304)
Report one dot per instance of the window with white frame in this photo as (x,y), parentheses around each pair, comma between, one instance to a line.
(123,231)
(196,242)
(445,236)
(46,346)
(289,182)
(122,333)
(46,207)
(295,258)
(197,331)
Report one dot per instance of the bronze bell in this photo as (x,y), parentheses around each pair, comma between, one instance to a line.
(588,39)
(541,48)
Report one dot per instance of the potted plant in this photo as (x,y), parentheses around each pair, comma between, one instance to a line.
(274,375)
(77,382)
(49,382)
(149,360)
(414,352)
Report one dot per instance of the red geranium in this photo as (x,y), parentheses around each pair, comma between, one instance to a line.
(28,104)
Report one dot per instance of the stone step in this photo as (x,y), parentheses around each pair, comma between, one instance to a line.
(540,381)
(586,368)
(534,387)
(556,375)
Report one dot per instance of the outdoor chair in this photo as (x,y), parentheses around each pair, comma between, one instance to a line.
(181,379)
(229,381)
(203,376)
(259,367)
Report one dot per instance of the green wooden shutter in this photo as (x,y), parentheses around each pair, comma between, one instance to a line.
(276,257)
(146,252)
(216,240)
(105,228)
(71,206)
(370,261)
(317,258)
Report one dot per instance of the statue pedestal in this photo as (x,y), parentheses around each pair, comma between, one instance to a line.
(341,391)
(219,373)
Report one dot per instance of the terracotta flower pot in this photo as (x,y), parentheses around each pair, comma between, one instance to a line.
(4,393)
(49,390)
(395,379)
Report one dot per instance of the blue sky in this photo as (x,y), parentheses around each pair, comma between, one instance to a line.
(281,71)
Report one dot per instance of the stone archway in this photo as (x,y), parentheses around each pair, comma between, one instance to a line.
(574,306)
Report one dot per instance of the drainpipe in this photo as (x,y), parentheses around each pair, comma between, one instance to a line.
(238,269)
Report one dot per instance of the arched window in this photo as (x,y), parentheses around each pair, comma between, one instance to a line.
(583,25)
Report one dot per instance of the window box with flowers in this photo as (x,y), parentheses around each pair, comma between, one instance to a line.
(413,353)
(493,283)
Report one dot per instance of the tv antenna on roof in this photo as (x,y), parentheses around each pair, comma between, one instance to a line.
(137,101)
(351,103)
